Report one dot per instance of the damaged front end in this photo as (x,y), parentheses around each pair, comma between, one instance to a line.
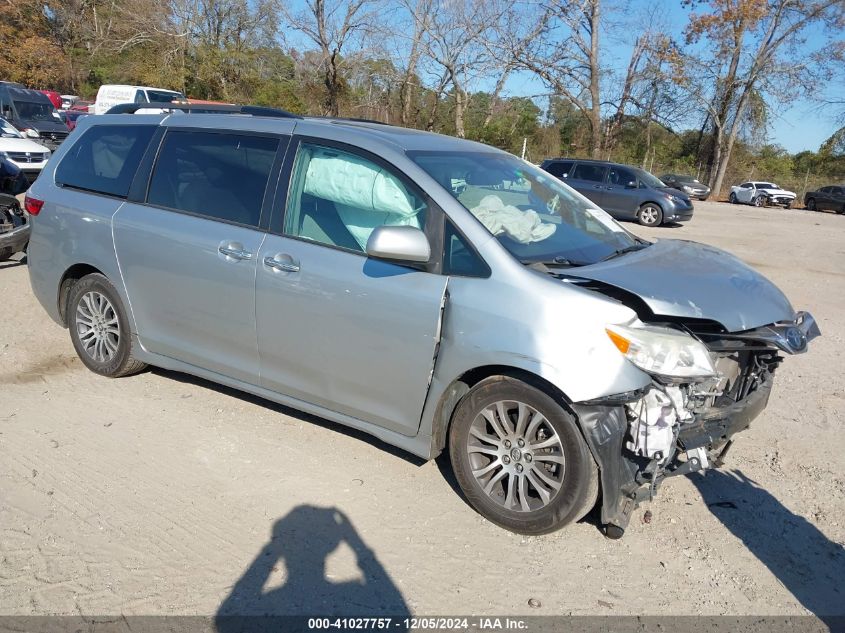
(14,227)
(685,420)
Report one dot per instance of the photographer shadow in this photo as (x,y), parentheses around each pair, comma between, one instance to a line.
(300,544)
(805,561)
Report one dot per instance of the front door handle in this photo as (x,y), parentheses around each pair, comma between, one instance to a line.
(234,250)
(282,262)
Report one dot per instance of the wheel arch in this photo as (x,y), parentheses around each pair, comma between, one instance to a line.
(69,278)
(460,386)
(654,202)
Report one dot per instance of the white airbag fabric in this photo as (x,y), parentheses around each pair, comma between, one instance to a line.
(364,195)
(523,226)
(356,182)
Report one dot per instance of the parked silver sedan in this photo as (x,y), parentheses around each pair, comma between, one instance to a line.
(434,292)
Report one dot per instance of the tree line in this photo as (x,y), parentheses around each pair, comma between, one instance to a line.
(696,98)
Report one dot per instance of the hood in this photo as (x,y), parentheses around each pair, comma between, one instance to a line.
(697,186)
(21,145)
(778,192)
(675,192)
(678,278)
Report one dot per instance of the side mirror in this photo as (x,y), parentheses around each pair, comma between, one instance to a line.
(631,184)
(399,243)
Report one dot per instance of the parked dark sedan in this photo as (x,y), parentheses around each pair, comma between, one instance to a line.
(687,184)
(832,198)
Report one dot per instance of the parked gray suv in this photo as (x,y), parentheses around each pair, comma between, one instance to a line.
(434,292)
(625,192)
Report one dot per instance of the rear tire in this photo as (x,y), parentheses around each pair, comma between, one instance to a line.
(732,198)
(520,459)
(5,253)
(650,215)
(99,328)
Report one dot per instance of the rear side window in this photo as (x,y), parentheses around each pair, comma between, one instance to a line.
(222,176)
(559,169)
(105,158)
(586,171)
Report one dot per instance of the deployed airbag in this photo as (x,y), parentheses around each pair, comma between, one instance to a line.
(364,195)
(523,226)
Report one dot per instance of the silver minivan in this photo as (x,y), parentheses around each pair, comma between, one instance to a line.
(434,292)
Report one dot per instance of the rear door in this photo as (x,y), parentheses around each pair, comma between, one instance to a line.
(336,328)
(588,180)
(188,249)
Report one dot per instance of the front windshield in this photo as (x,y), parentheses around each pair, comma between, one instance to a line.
(766,185)
(34,110)
(648,179)
(532,214)
(162,96)
(7,130)
(687,179)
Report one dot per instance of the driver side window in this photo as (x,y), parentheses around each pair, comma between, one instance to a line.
(338,198)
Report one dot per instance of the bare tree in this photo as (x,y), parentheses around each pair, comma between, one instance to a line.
(454,42)
(756,45)
(559,42)
(337,27)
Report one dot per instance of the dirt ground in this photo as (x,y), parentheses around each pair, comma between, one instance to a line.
(164,494)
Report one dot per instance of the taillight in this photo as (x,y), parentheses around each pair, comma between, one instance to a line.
(32,205)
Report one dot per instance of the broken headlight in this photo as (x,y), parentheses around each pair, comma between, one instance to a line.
(663,351)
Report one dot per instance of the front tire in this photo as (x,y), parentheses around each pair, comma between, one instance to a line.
(5,253)
(520,459)
(760,201)
(99,328)
(650,215)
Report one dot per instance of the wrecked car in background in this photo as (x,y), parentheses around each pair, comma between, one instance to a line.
(14,224)
(761,194)
(434,292)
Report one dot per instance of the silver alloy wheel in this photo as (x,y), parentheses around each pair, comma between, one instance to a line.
(516,456)
(759,201)
(97,326)
(649,215)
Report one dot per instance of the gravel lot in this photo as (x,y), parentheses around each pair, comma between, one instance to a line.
(164,494)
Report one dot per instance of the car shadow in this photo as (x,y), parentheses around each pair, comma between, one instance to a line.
(290,412)
(13,263)
(800,556)
(299,546)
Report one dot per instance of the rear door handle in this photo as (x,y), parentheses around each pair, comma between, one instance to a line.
(283,262)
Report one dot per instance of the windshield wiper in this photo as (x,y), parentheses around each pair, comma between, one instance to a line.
(557,262)
(624,251)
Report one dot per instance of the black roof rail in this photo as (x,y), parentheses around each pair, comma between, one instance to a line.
(204,108)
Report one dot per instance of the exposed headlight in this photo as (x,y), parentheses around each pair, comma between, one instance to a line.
(663,351)
(687,188)
(32,133)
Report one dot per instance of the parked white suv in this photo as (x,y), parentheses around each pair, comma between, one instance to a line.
(28,155)
(761,194)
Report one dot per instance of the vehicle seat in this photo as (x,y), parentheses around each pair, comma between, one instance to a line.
(320,221)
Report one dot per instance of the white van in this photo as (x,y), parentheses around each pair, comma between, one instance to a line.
(112,95)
